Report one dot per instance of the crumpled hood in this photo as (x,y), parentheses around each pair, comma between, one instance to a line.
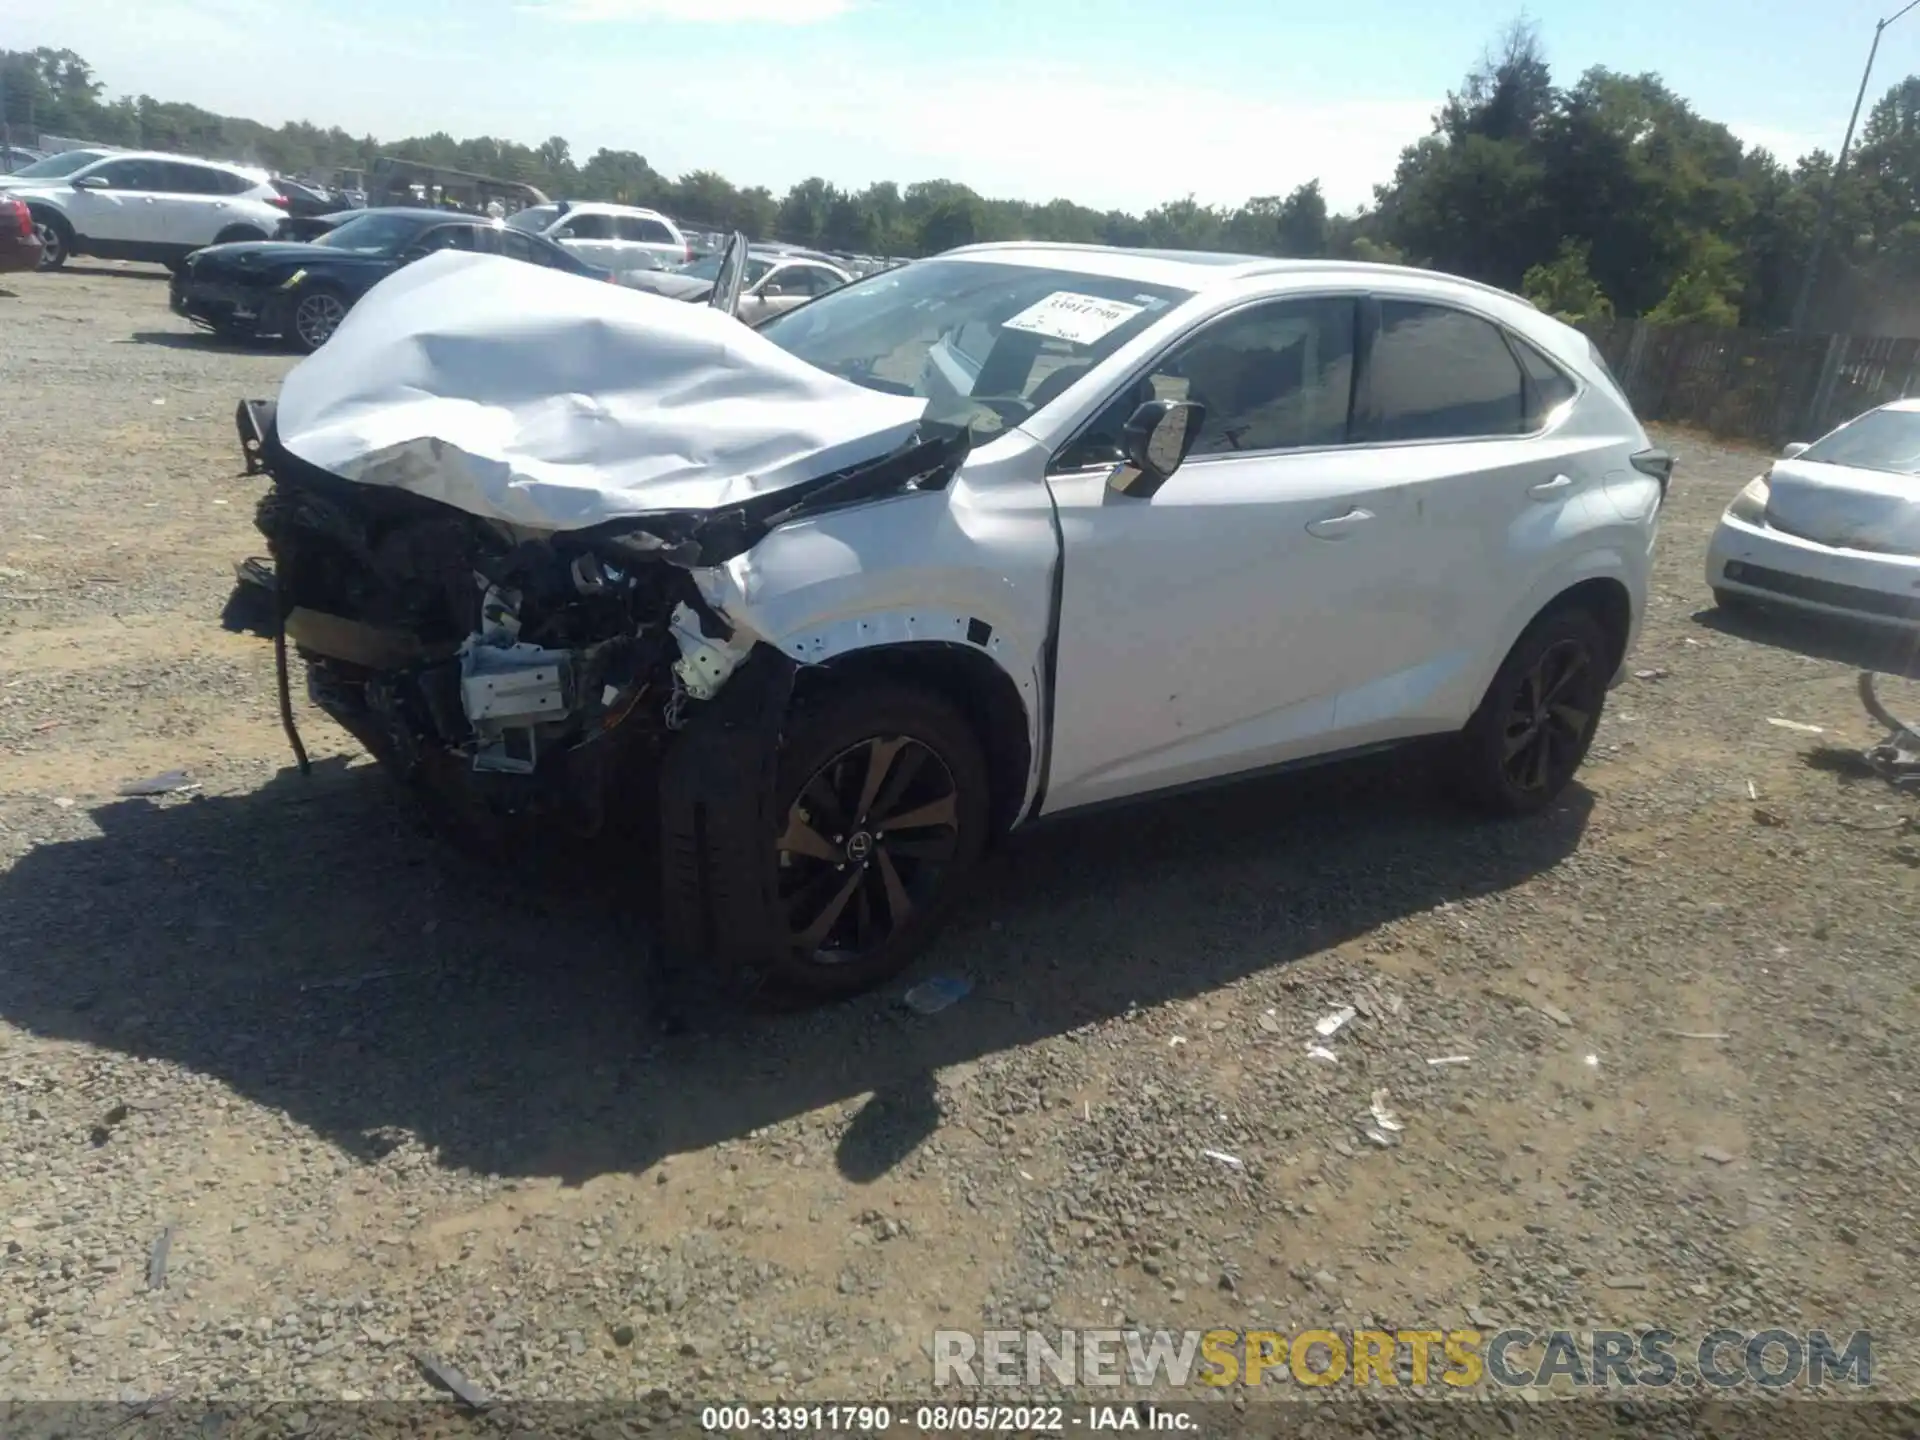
(548,401)
(1845,506)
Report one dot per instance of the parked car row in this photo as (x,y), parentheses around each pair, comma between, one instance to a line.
(300,291)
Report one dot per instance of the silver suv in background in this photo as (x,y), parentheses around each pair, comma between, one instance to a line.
(613,237)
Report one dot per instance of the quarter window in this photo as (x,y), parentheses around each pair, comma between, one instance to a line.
(1273,377)
(1441,374)
(1548,386)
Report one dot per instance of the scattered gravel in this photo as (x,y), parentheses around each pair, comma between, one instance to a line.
(383,1101)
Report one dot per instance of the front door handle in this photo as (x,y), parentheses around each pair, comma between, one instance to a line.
(1336,526)
(1552,489)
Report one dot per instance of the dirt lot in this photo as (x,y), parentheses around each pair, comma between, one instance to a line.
(390,1101)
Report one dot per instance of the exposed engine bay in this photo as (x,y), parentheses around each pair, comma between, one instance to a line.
(534,662)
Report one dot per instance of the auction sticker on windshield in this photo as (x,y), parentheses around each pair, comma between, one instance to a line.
(1077,319)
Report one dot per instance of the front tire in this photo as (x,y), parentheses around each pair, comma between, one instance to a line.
(1538,718)
(883,804)
(314,318)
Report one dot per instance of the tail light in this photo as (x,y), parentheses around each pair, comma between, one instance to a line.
(688,247)
(1657,463)
(279,202)
(22,217)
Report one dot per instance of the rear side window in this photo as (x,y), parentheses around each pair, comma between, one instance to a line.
(1548,386)
(638,227)
(131,175)
(1441,374)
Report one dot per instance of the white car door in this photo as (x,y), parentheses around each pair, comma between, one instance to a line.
(1458,413)
(1211,627)
(117,201)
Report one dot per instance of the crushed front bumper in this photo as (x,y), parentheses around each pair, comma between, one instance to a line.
(1770,565)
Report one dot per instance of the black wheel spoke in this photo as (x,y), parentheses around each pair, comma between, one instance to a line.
(815,935)
(899,906)
(1542,762)
(943,811)
(1571,719)
(905,771)
(880,757)
(800,838)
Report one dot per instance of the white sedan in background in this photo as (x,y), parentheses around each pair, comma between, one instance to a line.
(1832,527)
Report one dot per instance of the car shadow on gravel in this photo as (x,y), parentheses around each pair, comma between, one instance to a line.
(1857,646)
(312,946)
(198,340)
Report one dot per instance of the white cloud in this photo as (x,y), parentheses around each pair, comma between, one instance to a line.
(698,12)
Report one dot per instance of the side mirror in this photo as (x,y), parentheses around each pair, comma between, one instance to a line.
(91,182)
(1155,440)
(1797,448)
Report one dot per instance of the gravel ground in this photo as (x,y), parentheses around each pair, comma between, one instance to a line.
(384,1100)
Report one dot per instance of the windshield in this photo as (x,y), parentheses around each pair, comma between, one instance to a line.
(707,267)
(55,167)
(535,218)
(372,234)
(1879,440)
(987,343)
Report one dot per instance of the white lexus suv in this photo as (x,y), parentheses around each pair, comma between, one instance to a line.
(859,609)
(137,205)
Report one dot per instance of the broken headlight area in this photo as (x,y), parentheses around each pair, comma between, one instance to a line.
(524,665)
(443,641)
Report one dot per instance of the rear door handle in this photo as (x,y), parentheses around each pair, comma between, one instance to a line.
(1336,526)
(1552,489)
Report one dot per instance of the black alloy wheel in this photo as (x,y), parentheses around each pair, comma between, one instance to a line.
(1547,725)
(885,814)
(1534,727)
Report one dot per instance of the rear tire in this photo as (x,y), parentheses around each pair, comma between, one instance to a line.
(1537,720)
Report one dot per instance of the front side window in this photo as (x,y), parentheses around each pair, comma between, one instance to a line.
(131,175)
(1272,377)
(1442,374)
(586,227)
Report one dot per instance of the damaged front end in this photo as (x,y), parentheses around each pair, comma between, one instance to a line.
(513,671)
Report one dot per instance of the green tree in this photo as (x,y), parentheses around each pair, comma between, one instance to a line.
(1565,289)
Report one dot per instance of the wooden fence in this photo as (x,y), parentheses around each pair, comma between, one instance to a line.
(1746,385)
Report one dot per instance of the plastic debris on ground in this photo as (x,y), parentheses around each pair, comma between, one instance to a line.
(1440,1060)
(172,782)
(1327,1026)
(930,997)
(1225,1159)
(1796,725)
(1383,1115)
(1321,1052)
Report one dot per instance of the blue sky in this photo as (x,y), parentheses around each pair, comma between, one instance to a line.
(1102,101)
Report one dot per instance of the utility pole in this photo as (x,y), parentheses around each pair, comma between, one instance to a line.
(1824,220)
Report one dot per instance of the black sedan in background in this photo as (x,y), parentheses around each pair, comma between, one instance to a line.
(300,291)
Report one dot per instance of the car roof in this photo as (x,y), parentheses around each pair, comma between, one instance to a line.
(607,207)
(419,212)
(1196,269)
(252,172)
